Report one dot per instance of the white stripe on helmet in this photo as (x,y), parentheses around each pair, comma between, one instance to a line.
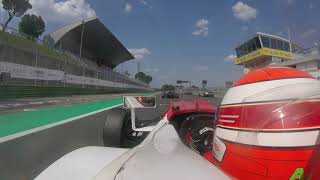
(269,139)
(240,94)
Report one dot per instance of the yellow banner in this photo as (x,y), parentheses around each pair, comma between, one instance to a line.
(264,52)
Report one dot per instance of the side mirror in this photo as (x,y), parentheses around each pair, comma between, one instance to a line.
(139,102)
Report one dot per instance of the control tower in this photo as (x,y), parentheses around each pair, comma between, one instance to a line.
(263,50)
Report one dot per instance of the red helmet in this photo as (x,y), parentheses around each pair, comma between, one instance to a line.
(268,125)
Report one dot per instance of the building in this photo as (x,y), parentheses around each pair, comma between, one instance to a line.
(263,50)
(218,91)
(228,84)
(269,50)
(307,60)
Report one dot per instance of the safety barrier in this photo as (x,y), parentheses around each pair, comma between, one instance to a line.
(25,67)
(12,91)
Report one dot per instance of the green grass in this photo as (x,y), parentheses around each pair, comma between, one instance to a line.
(26,44)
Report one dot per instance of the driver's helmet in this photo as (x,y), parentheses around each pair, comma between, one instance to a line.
(268,126)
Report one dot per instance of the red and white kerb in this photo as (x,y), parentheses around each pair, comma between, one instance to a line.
(268,109)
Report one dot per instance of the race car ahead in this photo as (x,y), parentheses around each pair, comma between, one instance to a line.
(170,94)
(267,127)
(205,93)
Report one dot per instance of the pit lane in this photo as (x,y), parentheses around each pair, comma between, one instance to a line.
(25,157)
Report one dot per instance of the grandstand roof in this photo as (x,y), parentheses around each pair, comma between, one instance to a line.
(98,42)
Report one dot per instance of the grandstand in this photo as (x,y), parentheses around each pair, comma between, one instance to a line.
(91,39)
(79,55)
(94,46)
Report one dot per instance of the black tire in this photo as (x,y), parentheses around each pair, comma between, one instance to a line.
(114,128)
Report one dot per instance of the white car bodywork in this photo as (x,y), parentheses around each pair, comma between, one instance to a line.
(161,155)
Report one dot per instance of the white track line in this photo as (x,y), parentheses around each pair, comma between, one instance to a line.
(53,101)
(35,103)
(26,110)
(30,131)
(16,104)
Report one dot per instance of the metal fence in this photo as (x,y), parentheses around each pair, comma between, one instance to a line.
(28,62)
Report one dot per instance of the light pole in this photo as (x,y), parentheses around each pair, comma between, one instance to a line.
(81,41)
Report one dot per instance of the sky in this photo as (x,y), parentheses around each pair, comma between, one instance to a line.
(187,39)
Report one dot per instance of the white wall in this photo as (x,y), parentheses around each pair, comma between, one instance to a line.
(308,66)
(311,67)
(29,72)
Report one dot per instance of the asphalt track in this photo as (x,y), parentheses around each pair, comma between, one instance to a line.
(24,157)
(29,104)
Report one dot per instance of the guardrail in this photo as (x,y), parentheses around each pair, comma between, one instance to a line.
(12,91)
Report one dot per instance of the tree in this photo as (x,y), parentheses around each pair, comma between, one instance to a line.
(148,79)
(126,73)
(48,41)
(141,76)
(15,8)
(167,87)
(32,25)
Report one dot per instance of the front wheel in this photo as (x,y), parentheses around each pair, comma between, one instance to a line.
(118,132)
(113,130)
